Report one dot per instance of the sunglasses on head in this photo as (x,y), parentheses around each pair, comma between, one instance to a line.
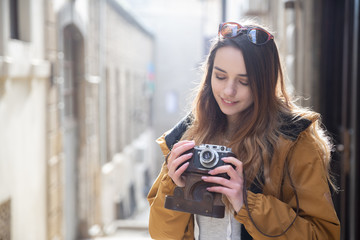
(256,35)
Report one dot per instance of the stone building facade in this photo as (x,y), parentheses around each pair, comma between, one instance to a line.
(24,81)
(76,81)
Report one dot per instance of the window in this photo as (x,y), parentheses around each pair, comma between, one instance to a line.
(14,20)
(20,21)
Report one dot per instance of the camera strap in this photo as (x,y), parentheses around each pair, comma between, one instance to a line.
(297,205)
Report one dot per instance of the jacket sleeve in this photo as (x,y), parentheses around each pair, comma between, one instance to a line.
(317,217)
(164,223)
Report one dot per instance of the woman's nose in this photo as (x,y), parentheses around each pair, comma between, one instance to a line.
(230,89)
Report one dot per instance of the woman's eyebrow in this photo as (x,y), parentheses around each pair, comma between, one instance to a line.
(221,70)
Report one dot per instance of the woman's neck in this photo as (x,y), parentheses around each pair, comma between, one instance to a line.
(231,124)
(230,131)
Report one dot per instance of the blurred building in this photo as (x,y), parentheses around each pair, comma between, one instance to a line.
(76,90)
(178,44)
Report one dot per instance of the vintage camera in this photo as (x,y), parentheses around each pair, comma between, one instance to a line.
(194,198)
(207,157)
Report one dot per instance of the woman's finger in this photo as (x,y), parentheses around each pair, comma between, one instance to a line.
(177,174)
(182,142)
(234,161)
(231,188)
(233,194)
(174,165)
(237,165)
(217,180)
(180,160)
(221,181)
(228,169)
(179,148)
(176,162)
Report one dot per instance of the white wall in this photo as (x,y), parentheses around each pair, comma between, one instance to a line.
(22,158)
(23,81)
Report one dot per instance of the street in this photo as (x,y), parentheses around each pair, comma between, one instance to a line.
(135,228)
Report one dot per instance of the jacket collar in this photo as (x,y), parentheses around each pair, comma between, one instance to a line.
(290,129)
(178,131)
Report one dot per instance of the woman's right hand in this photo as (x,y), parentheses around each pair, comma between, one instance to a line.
(176,158)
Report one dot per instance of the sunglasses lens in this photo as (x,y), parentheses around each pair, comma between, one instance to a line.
(255,35)
(230,30)
(258,36)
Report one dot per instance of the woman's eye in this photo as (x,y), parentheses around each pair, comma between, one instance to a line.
(220,77)
(244,82)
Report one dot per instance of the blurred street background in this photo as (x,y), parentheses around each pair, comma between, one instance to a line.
(86,86)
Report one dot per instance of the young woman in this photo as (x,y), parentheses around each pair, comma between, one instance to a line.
(278,186)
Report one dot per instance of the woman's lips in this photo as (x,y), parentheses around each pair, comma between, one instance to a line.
(228,102)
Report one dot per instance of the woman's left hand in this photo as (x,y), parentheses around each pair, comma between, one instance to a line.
(233,187)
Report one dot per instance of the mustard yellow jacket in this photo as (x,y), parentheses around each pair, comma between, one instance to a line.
(272,210)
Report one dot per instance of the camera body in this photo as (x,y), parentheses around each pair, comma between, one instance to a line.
(194,198)
(207,157)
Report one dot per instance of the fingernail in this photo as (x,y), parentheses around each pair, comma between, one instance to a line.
(203,177)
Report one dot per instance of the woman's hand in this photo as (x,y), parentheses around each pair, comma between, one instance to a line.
(176,158)
(233,187)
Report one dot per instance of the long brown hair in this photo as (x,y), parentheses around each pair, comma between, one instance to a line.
(257,133)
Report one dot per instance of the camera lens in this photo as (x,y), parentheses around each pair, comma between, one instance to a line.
(209,158)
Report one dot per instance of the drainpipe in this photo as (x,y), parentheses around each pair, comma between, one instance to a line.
(102,85)
(223,9)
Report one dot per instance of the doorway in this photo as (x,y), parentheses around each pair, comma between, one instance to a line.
(71,95)
(339,106)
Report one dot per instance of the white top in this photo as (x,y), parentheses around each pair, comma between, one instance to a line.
(208,228)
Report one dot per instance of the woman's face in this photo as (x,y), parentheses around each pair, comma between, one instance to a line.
(230,83)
